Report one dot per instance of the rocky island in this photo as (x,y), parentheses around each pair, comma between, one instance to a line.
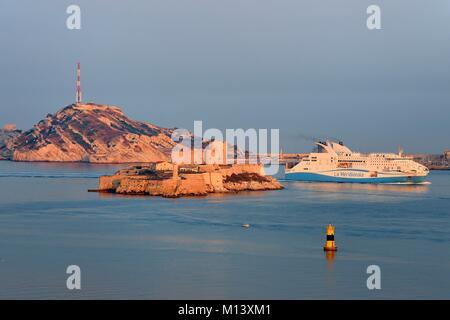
(170,180)
(88,132)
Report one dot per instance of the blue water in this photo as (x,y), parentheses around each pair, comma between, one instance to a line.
(196,248)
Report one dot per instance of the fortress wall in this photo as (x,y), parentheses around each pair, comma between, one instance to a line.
(192,184)
(109,182)
(214,181)
(162,187)
(208,168)
(133,184)
(243,168)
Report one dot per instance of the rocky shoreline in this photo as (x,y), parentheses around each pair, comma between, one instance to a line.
(172,181)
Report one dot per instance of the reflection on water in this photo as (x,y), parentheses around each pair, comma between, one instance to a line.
(210,198)
(330,256)
(340,187)
(371,193)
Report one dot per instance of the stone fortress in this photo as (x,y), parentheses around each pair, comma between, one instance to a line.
(171,180)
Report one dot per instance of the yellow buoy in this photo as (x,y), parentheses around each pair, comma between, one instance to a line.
(330,245)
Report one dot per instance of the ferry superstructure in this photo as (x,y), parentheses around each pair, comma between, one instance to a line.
(334,162)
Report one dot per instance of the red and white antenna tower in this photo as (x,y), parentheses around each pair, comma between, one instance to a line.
(78,97)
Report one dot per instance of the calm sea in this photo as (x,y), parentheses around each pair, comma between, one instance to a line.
(154,248)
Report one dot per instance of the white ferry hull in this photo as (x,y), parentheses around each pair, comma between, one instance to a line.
(355,176)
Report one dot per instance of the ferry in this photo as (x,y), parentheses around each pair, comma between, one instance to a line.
(334,162)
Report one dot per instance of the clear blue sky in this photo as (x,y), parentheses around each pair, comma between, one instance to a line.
(309,68)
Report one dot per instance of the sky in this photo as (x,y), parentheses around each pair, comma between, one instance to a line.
(309,68)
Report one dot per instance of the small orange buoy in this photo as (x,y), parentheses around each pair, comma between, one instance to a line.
(330,245)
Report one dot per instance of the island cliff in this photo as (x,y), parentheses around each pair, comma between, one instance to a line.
(169,180)
(90,133)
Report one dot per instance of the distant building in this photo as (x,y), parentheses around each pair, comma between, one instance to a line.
(447,154)
(162,166)
(9,127)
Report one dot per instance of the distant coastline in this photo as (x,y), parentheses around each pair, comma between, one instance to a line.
(96,133)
